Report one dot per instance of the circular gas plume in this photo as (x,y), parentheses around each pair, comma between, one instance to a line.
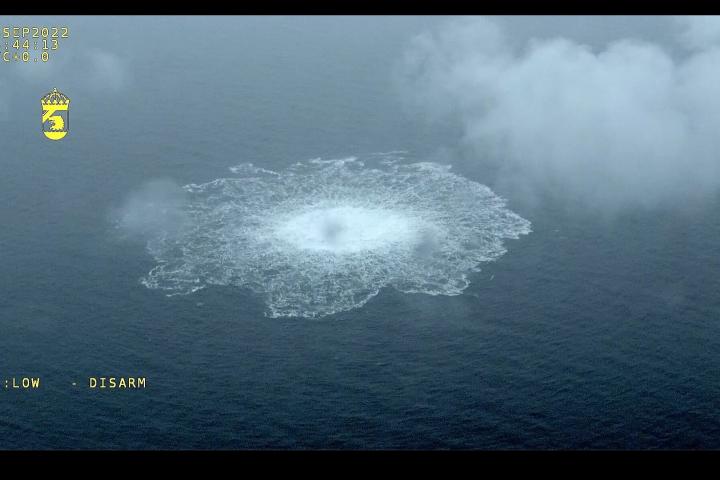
(347,229)
(325,236)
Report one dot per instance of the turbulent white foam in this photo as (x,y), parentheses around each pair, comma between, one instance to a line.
(326,235)
(345,229)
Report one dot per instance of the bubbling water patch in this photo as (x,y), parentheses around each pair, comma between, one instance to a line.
(324,236)
(347,229)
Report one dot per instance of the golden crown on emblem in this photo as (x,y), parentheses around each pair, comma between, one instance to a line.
(55,98)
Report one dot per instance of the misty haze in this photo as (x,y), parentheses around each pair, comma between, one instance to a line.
(364,233)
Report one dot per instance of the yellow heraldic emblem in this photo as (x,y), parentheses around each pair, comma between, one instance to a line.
(56,114)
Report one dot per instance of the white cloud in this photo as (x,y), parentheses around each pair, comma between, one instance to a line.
(91,69)
(106,70)
(699,31)
(625,126)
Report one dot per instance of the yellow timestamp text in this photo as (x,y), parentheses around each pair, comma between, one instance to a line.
(31,44)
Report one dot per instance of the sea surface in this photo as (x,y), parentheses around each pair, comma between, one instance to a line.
(590,332)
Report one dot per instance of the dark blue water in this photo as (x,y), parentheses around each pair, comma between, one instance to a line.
(591,332)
